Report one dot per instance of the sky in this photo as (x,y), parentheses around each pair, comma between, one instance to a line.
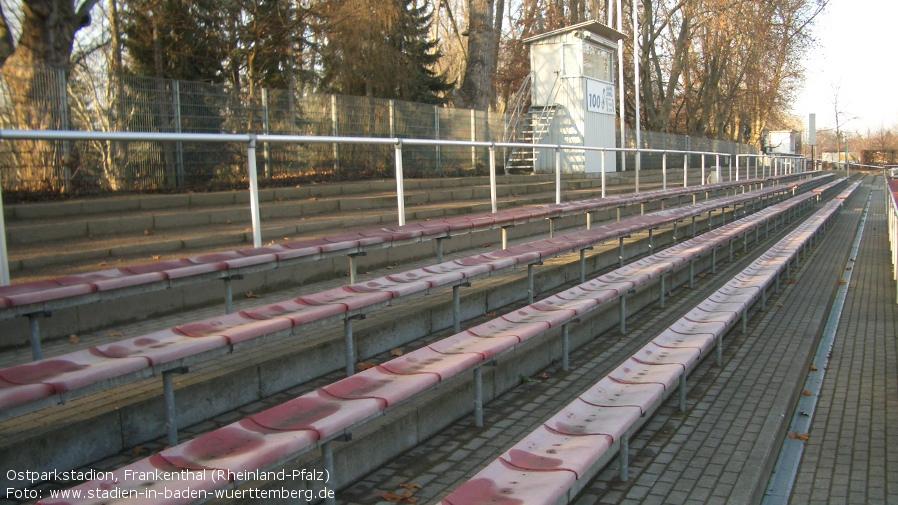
(856,53)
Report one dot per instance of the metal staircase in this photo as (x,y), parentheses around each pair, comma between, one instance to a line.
(529,127)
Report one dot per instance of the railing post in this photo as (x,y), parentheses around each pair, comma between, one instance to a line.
(400,190)
(558,174)
(664,171)
(254,191)
(179,146)
(436,127)
(493,202)
(603,173)
(685,170)
(703,170)
(335,131)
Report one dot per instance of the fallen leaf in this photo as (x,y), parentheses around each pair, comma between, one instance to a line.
(90,237)
(314,199)
(702,276)
(391,497)
(247,230)
(543,376)
(525,379)
(149,232)
(803,437)
(73,339)
(156,257)
(286,238)
(228,222)
(364,365)
(792,280)
(849,268)
(139,449)
(813,368)
(427,219)
(250,294)
(806,392)
(487,245)
(779,305)
(842,282)
(411,486)
(102,264)
(281,199)
(396,352)
(116,334)
(389,267)
(491,314)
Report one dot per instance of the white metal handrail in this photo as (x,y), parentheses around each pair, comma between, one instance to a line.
(252,173)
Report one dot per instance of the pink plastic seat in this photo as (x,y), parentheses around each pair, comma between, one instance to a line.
(500,483)
(18,295)
(296,311)
(502,327)
(396,289)
(634,372)
(653,354)
(578,305)
(381,384)
(581,418)
(12,395)
(162,347)
(220,325)
(531,314)
(610,393)
(145,478)
(672,338)
(343,295)
(467,342)
(427,361)
(239,447)
(73,370)
(545,449)
(319,412)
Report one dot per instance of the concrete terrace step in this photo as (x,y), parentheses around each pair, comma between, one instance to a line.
(42,243)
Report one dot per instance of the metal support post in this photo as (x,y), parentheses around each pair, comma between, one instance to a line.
(478,397)
(565,348)
(682,392)
(171,411)
(440,247)
(719,349)
(552,227)
(353,267)
(229,292)
(34,324)
(620,253)
(623,456)
(651,240)
(693,226)
(456,308)
(348,343)
(327,454)
(254,191)
(662,291)
(504,238)
(714,260)
(623,314)
(530,287)
(731,251)
(493,199)
(589,220)
(583,264)
(691,274)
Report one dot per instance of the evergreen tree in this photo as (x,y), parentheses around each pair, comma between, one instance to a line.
(174,39)
(380,48)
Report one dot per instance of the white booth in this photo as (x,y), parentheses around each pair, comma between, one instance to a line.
(573,97)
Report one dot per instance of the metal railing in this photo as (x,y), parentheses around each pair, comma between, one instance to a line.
(893,227)
(398,144)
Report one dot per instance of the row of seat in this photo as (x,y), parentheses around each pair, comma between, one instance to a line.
(26,387)
(553,463)
(272,437)
(67,291)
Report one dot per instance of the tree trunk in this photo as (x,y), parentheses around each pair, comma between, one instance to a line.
(477,87)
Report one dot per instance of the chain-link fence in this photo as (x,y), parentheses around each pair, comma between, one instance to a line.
(53,99)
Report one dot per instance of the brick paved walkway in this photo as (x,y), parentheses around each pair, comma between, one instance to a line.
(850,456)
(716,452)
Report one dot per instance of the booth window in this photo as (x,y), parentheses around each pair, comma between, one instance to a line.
(597,62)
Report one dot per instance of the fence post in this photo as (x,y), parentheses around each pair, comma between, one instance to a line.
(686,170)
(254,191)
(436,126)
(335,131)
(4,257)
(493,198)
(62,91)
(179,146)
(266,127)
(400,190)
(664,171)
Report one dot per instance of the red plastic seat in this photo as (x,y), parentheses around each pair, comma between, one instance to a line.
(500,483)
(467,342)
(427,361)
(239,447)
(162,346)
(610,393)
(545,449)
(381,384)
(581,418)
(634,372)
(73,370)
(319,412)
(343,295)
(12,394)
(653,354)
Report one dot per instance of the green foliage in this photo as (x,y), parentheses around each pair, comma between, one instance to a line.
(382,49)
